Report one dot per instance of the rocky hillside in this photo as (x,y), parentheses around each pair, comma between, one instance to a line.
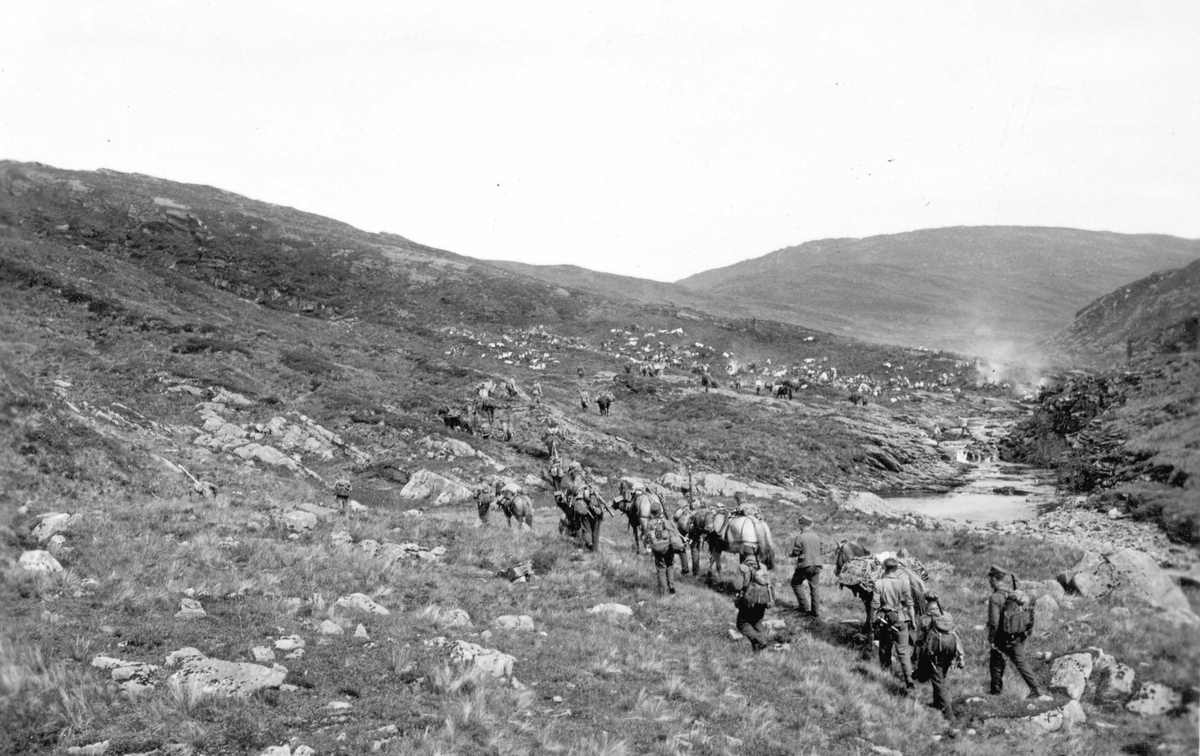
(1155,314)
(185,373)
(972,290)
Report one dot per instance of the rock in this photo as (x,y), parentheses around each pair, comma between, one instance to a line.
(230,398)
(360,633)
(1114,514)
(299,521)
(1070,674)
(289,643)
(514,622)
(774,625)
(495,663)
(1055,719)
(324,514)
(215,676)
(360,602)
(267,455)
(51,524)
(1045,607)
(1134,576)
(262,654)
(329,627)
(734,635)
(1114,680)
(39,561)
(614,610)
(190,609)
(1038,588)
(447,617)
(1153,699)
(95,749)
(429,485)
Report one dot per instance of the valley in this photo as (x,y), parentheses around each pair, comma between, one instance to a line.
(184,373)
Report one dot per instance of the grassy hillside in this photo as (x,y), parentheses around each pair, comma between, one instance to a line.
(160,341)
(971,290)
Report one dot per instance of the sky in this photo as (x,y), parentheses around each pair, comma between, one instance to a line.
(649,139)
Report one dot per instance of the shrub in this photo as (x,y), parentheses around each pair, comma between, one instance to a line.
(308,361)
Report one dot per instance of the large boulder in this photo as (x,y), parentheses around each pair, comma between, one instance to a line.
(1114,680)
(1153,699)
(216,676)
(51,524)
(39,561)
(438,489)
(1135,577)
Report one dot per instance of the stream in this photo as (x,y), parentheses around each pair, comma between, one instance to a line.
(994,491)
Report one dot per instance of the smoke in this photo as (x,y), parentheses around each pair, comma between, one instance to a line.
(1009,365)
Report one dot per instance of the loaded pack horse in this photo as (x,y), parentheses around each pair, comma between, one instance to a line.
(518,506)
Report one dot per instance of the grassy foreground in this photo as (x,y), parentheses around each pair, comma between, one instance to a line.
(667,680)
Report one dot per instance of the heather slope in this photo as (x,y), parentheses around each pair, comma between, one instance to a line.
(966,289)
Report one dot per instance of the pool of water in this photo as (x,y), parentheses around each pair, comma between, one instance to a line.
(995,492)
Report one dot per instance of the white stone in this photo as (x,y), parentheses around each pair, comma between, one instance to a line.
(52,523)
(299,520)
(1153,699)
(94,749)
(190,609)
(216,676)
(262,654)
(617,610)
(360,632)
(439,489)
(289,643)
(362,603)
(329,627)
(1070,674)
(521,622)
(39,561)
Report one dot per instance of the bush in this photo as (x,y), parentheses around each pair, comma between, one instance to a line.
(308,361)
(197,344)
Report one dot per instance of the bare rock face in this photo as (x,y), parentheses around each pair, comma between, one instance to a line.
(1133,576)
(215,676)
(439,489)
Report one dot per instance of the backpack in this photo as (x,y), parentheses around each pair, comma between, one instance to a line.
(941,638)
(742,535)
(861,571)
(658,536)
(759,591)
(1016,614)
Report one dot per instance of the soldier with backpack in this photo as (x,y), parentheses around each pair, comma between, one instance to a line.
(893,605)
(665,542)
(754,595)
(938,648)
(341,494)
(484,498)
(1010,621)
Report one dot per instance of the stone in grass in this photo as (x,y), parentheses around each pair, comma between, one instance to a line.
(190,609)
(489,660)
(329,627)
(216,676)
(1070,674)
(94,749)
(360,633)
(612,610)
(289,643)
(362,603)
(262,654)
(1153,699)
(514,622)
(39,561)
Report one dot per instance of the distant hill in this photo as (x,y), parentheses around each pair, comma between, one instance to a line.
(965,289)
(1140,312)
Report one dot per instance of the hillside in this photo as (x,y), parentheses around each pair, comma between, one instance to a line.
(184,373)
(1133,319)
(972,290)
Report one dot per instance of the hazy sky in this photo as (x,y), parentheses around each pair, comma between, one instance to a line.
(652,139)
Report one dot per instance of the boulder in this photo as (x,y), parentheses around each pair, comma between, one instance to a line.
(324,514)
(230,398)
(1134,577)
(1056,719)
(439,489)
(190,609)
(267,455)
(262,654)
(1153,699)
(1046,607)
(329,627)
(39,561)
(1070,674)
(299,521)
(1114,680)
(219,677)
(521,622)
(493,662)
(447,617)
(51,524)
(360,602)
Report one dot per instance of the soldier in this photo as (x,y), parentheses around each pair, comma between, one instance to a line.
(551,439)
(537,392)
(579,372)
(893,605)
(663,539)
(341,494)
(1010,621)
(807,551)
(484,498)
(683,517)
(584,399)
(938,647)
(753,586)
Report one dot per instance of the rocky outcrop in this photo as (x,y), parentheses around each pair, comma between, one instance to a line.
(488,660)
(1069,674)
(1131,576)
(219,677)
(434,489)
